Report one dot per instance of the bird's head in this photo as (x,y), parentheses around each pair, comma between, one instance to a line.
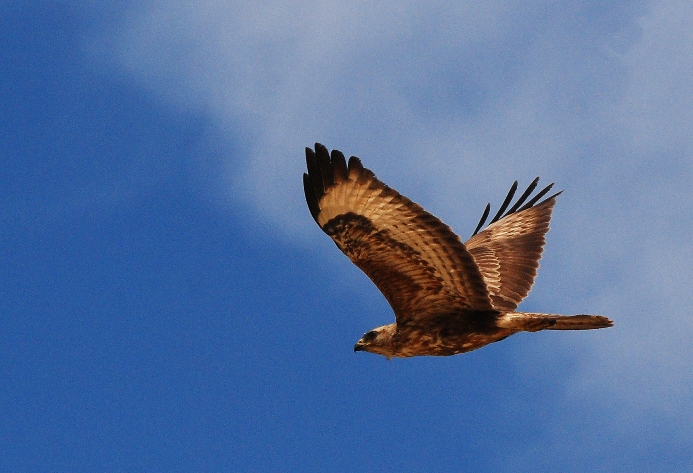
(378,340)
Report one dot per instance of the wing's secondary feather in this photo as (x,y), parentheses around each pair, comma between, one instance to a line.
(416,261)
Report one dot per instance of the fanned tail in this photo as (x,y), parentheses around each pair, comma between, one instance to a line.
(535,321)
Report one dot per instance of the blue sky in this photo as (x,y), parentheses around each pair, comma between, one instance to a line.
(168,303)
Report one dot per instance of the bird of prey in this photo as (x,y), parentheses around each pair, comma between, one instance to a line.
(448,297)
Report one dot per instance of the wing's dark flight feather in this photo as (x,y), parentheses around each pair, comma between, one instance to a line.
(483,219)
(355,164)
(506,202)
(341,173)
(326,172)
(524,196)
(516,206)
(314,173)
(311,200)
(539,196)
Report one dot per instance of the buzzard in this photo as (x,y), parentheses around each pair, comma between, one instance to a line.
(448,297)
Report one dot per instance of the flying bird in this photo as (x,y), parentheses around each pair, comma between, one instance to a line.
(448,297)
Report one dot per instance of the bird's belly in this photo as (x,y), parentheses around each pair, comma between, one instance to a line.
(445,343)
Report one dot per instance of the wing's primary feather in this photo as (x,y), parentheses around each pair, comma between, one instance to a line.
(524,195)
(483,218)
(541,194)
(417,262)
(311,199)
(339,165)
(506,202)
(508,250)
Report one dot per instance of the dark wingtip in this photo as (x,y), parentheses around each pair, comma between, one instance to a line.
(324,171)
(536,198)
(483,219)
(552,196)
(311,200)
(314,173)
(506,202)
(323,158)
(524,196)
(355,164)
(339,166)
(517,207)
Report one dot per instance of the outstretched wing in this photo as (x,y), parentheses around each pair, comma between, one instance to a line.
(508,250)
(418,263)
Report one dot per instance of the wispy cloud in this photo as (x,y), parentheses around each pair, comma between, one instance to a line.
(461,95)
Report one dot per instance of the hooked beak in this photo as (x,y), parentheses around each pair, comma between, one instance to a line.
(358,346)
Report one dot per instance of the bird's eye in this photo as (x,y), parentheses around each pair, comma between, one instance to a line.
(370,336)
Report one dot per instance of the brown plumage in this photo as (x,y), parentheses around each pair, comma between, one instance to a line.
(448,297)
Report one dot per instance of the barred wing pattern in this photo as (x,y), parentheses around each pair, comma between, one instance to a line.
(416,261)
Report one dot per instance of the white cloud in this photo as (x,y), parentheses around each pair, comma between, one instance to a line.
(468,88)
(657,111)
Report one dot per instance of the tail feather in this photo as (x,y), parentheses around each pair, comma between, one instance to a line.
(581,322)
(534,321)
